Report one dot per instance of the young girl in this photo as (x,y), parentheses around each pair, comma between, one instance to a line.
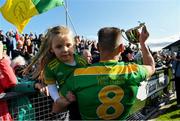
(57,61)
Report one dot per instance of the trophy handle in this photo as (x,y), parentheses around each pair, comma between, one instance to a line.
(137,27)
(127,38)
(122,30)
(130,34)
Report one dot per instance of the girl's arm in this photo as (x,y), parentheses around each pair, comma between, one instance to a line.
(53,91)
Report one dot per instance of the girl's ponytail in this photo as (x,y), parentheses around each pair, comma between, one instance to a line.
(38,58)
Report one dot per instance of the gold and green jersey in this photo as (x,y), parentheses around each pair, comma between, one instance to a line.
(57,71)
(106,90)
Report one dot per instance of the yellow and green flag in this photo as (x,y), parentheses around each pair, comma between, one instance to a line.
(19,12)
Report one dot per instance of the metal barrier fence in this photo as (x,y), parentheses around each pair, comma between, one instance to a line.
(151,94)
(31,106)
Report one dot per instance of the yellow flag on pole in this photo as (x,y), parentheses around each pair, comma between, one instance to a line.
(19,12)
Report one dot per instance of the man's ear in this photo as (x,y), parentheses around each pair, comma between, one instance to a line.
(121,48)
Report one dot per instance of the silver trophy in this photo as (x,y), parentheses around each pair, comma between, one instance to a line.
(132,35)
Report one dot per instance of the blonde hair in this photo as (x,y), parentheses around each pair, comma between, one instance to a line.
(44,55)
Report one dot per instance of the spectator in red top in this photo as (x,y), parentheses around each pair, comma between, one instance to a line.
(7,80)
(17,37)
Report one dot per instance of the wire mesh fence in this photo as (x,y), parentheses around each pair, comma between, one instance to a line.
(34,107)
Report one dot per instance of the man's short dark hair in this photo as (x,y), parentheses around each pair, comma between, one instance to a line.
(109,38)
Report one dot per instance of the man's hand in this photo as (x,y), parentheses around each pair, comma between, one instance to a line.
(70,97)
(144,35)
(60,105)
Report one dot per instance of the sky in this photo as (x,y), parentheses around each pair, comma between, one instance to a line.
(162,18)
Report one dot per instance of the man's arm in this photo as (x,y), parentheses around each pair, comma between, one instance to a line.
(66,97)
(148,60)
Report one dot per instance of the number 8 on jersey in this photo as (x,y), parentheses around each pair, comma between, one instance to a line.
(107,102)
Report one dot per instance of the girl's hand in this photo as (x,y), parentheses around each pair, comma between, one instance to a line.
(42,88)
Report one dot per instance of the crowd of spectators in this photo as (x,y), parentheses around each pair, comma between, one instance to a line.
(16,44)
(27,45)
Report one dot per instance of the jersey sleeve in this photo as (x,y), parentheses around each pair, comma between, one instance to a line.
(81,61)
(49,76)
(139,75)
(143,73)
(68,86)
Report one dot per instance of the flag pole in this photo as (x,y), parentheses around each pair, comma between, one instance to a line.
(66,5)
(70,20)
